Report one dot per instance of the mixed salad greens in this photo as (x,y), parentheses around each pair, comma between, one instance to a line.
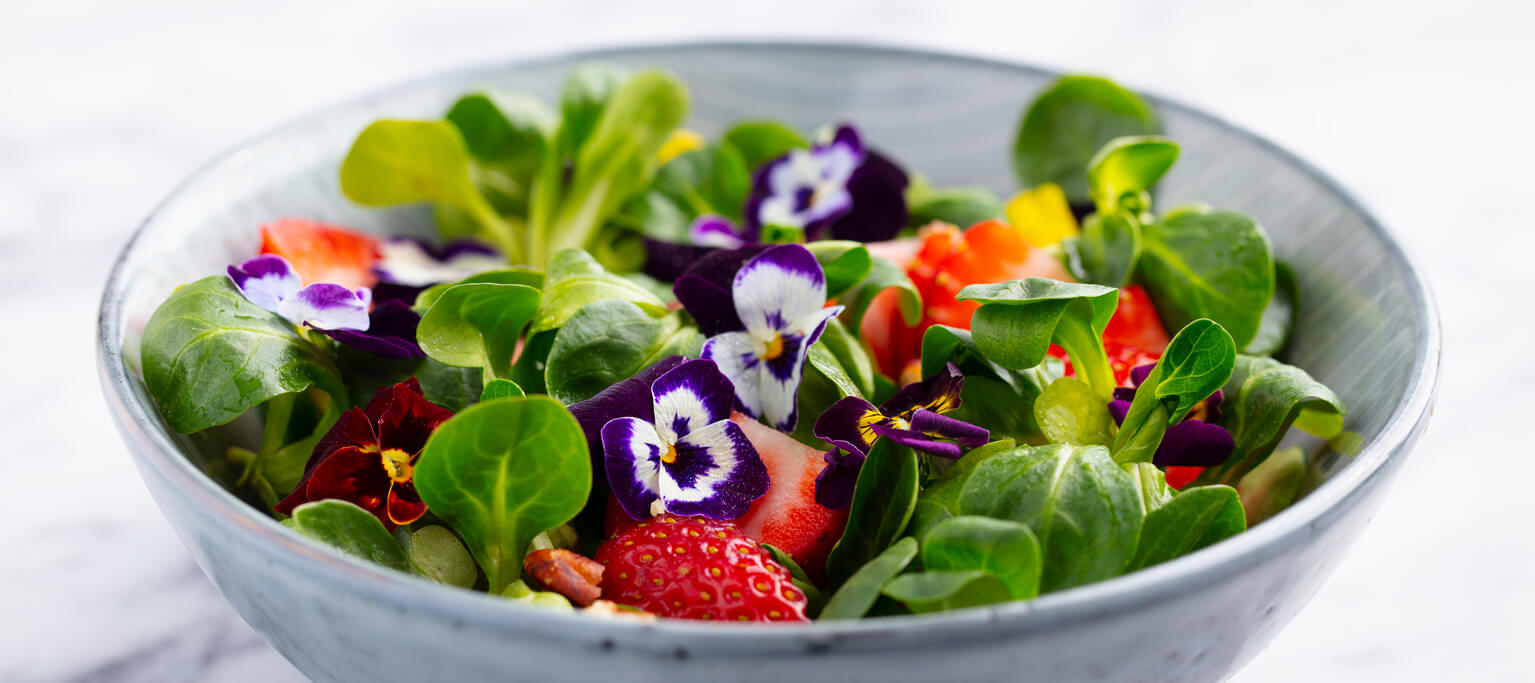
(760,377)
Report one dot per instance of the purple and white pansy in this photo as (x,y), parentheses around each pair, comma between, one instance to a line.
(690,459)
(838,187)
(779,299)
(271,283)
(1196,441)
(413,263)
(712,230)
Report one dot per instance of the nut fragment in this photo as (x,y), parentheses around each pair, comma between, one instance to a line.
(569,574)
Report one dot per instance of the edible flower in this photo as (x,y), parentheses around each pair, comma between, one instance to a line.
(369,456)
(413,263)
(271,283)
(711,230)
(838,187)
(1194,442)
(778,306)
(689,459)
(911,418)
(1042,215)
(391,331)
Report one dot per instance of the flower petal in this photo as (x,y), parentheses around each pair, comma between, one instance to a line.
(409,420)
(391,332)
(916,440)
(778,286)
(629,398)
(705,289)
(351,474)
(939,393)
(632,459)
(778,381)
(413,263)
(1139,373)
(266,280)
(404,505)
(667,261)
(1118,409)
(711,230)
(717,473)
(690,396)
(1192,443)
(843,425)
(945,427)
(738,357)
(326,306)
(877,192)
(834,485)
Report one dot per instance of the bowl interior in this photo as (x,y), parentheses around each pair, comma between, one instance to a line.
(1364,329)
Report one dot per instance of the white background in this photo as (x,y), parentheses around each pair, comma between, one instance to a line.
(1425,110)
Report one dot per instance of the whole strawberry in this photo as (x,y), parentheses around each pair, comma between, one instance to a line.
(695,568)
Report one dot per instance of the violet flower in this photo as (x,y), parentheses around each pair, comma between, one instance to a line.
(391,331)
(710,230)
(911,418)
(413,263)
(776,311)
(689,459)
(1195,442)
(840,188)
(270,282)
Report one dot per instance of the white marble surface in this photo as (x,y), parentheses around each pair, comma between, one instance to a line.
(1424,110)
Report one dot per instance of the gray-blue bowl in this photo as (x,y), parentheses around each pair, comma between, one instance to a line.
(1368,328)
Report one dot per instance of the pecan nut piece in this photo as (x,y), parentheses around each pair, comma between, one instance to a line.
(570,574)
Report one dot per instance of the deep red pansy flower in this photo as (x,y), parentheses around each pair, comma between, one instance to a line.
(369,457)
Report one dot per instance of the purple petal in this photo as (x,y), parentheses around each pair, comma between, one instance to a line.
(690,396)
(710,230)
(847,136)
(1192,443)
(918,441)
(834,485)
(1118,409)
(1139,373)
(736,355)
(391,332)
(632,459)
(667,261)
(843,424)
(266,280)
(705,289)
(326,306)
(1124,394)
(939,393)
(778,286)
(413,263)
(628,398)
(945,427)
(805,189)
(717,474)
(1213,406)
(878,193)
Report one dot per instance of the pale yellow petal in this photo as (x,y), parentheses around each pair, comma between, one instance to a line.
(681,142)
(1042,215)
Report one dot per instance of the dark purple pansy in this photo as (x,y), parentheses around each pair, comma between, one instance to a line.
(1195,442)
(911,418)
(689,458)
(838,188)
(270,282)
(391,331)
(628,398)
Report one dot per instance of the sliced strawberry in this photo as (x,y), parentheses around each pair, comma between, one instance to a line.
(788,516)
(1136,323)
(322,252)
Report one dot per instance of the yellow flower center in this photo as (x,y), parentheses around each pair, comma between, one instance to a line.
(397,465)
(774,348)
(669,455)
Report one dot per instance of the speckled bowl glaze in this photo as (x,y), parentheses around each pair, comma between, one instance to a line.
(1367,328)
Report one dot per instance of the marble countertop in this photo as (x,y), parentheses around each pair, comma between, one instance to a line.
(1423,109)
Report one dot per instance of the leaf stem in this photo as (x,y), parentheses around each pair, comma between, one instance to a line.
(502,232)
(279,411)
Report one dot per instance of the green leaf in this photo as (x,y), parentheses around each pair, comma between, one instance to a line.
(1082,507)
(1274,484)
(351,530)
(945,489)
(1008,550)
(882,504)
(713,179)
(1066,126)
(477,325)
(510,276)
(824,382)
(763,140)
(1195,364)
(528,371)
(961,206)
(519,591)
(612,340)
(1193,519)
(1068,411)
(1278,322)
(575,280)
(447,386)
(1263,398)
(209,355)
(1107,250)
(501,388)
(434,552)
(814,600)
(1124,170)
(940,591)
(994,396)
(850,354)
(1150,485)
(585,95)
(1187,279)
(510,130)
(883,275)
(502,472)
(859,593)
(845,263)
(1018,320)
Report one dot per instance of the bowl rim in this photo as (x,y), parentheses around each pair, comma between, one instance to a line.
(137,421)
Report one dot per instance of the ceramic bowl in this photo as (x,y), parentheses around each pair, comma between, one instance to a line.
(1367,328)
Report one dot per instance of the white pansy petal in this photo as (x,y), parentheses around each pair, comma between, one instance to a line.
(326,306)
(631,456)
(690,396)
(717,473)
(266,280)
(738,356)
(777,287)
